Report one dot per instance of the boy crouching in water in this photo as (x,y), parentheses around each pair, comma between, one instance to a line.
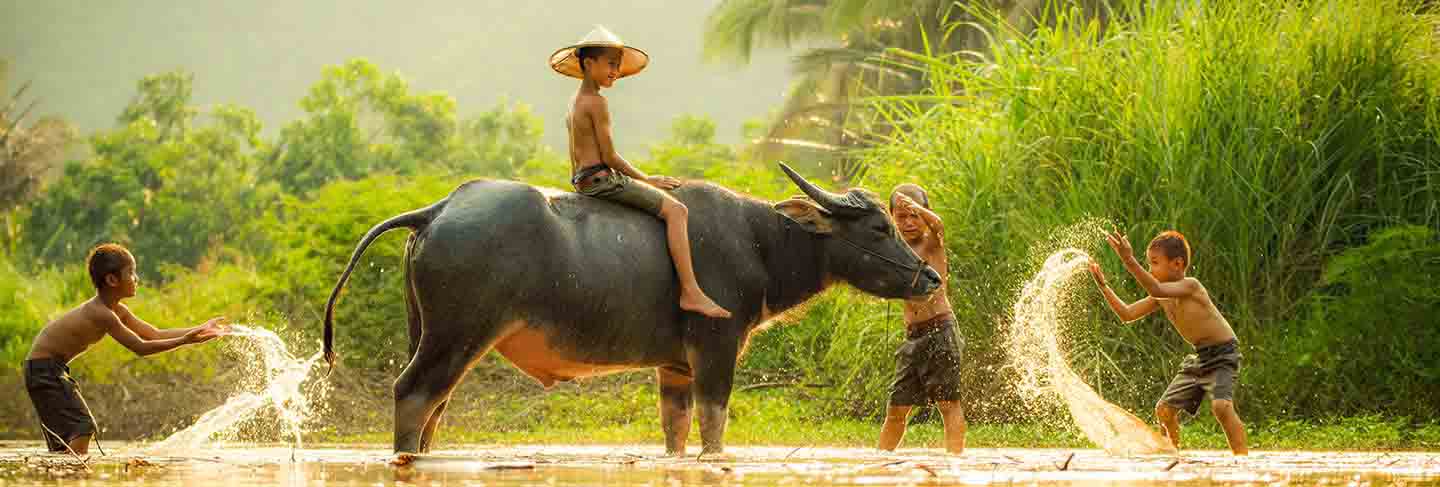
(928,364)
(1214,368)
(65,419)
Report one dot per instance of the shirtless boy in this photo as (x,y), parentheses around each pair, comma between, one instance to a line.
(1214,368)
(598,170)
(65,419)
(928,364)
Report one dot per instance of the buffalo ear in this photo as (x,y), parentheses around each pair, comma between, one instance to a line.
(809,215)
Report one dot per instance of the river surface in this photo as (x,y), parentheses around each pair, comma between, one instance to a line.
(23,463)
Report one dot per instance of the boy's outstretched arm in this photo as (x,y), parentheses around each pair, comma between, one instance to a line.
(148,331)
(142,347)
(1121,243)
(599,112)
(1126,312)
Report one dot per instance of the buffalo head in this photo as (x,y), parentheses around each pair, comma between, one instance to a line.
(861,245)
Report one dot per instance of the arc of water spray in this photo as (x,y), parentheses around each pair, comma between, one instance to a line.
(1037,349)
(283,375)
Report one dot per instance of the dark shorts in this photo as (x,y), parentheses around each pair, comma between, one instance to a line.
(57,401)
(928,364)
(1214,369)
(610,185)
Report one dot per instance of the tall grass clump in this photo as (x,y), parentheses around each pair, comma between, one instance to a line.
(1275,135)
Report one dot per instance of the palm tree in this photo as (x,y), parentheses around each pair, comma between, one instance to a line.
(27,153)
(850,57)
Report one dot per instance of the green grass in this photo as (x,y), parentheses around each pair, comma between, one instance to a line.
(1275,135)
(779,418)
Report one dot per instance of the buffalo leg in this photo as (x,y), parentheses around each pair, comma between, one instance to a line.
(714,366)
(675,401)
(437,367)
(427,435)
(416,329)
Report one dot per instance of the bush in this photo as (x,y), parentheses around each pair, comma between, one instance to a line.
(30,301)
(1362,335)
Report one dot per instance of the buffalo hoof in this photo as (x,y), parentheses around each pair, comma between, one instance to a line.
(403,459)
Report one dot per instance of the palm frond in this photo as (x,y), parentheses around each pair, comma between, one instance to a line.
(828,106)
(737,27)
(27,153)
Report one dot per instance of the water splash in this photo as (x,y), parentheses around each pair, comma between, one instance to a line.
(1037,350)
(276,385)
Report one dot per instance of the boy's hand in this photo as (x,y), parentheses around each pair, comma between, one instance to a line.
(211,330)
(1098,274)
(905,203)
(199,335)
(663,182)
(1120,243)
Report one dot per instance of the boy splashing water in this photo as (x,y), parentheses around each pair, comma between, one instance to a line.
(65,419)
(1214,368)
(598,170)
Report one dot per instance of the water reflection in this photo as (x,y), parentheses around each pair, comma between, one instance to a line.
(639,465)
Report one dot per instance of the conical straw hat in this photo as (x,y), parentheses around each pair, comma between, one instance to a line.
(566,61)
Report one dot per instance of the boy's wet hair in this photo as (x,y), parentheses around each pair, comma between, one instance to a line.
(106,259)
(914,191)
(1173,245)
(590,52)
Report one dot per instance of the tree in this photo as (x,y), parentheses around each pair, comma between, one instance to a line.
(173,190)
(691,150)
(504,142)
(692,153)
(825,109)
(27,151)
(362,121)
(165,100)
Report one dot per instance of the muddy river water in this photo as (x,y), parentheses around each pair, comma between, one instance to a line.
(555,465)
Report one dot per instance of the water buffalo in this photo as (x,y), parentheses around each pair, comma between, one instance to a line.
(567,286)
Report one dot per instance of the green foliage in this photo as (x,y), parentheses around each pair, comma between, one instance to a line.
(842,343)
(141,186)
(1368,322)
(1272,134)
(855,48)
(31,300)
(313,239)
(504,142)
(691,151)
(164,100)
(359,121)
(28,148)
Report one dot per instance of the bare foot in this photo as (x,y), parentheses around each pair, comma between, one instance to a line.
(700,303)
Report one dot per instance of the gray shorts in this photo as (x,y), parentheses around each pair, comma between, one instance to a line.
(613,186)
(1214,369)
(927,366)
(56,396)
